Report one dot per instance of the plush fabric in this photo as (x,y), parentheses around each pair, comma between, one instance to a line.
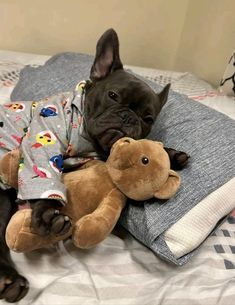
(207,135)
(94,214)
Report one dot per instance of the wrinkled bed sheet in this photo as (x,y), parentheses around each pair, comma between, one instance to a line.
(122,271)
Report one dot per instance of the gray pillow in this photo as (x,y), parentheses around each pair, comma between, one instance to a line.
(205,134)
(209,138)
(60,73)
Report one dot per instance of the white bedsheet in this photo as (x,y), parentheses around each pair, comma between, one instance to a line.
(120,270)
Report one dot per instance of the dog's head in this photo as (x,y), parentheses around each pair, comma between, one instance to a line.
(117,103)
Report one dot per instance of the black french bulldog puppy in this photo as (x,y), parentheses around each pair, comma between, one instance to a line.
(119,104)
(116,104)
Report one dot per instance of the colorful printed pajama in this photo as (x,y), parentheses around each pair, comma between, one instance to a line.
(46,132)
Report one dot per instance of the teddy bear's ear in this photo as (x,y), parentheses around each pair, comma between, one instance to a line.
(170,187)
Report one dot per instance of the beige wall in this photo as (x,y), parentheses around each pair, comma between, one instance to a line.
(208,38)
(193,35)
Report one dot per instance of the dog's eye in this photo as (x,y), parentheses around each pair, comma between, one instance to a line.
(113,95)
(145,160)
(148,119)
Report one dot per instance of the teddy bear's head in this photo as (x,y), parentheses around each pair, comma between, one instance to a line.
(141,169)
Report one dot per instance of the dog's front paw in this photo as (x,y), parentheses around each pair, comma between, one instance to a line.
(178,159)
(48,220)
(13,287)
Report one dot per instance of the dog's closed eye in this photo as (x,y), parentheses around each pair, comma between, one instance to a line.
(148,119)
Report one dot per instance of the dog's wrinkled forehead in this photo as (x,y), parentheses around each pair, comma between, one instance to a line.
(128,86)
(121,78)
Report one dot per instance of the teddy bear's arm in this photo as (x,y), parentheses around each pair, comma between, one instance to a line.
(95,227)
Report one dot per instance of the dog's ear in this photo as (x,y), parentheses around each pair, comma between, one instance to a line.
(163,95)
(107,57)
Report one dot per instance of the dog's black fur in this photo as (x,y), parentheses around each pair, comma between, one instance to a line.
(117,104)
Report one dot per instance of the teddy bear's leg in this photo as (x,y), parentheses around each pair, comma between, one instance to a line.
(95,227)
(20,237)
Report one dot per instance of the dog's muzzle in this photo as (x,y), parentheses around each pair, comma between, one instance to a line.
(109,137)
(128,119)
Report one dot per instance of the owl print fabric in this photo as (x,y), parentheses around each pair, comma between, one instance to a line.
(47,132)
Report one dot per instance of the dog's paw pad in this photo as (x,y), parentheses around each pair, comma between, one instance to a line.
(13,287)
(60,224)
(51,221)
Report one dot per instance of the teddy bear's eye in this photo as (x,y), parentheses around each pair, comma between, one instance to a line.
(145,160)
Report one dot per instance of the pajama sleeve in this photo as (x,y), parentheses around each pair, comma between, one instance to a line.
(42,149)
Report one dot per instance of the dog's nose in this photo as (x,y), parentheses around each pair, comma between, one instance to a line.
(128,119)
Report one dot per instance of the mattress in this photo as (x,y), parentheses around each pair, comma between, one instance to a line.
(121,270)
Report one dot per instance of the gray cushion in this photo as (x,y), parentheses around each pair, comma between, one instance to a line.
(207,135)
(60,73)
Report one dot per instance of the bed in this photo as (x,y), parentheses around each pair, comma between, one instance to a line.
(121,270)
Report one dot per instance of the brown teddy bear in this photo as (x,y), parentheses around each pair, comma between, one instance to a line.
(97,192)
